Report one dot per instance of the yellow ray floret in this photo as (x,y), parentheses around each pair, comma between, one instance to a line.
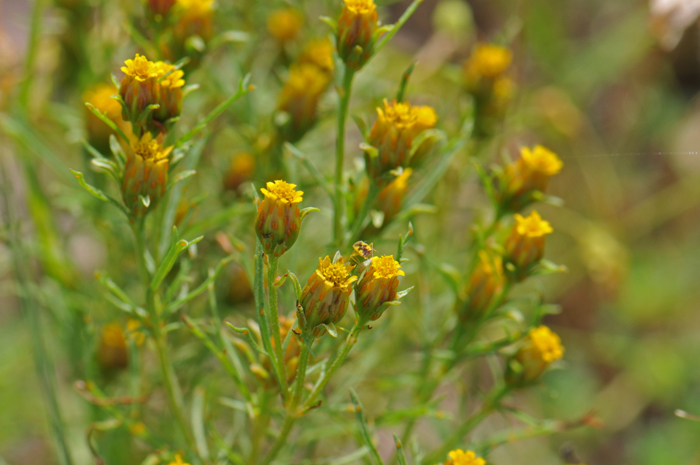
(459,457)
(140,68)
(282,191)
(533,225)
(335,274)
(386,267)
(403,116)
(360,7)
(547,343)
(149,148)
(169,76)
(542,160)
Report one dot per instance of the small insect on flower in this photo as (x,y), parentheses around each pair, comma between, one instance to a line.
(378,286)
(459,457)
(326,296)
(392,137)
(524,247)
(357,27)
(526,178)
(538,350)
(145,174)
(279,218)
(112,353)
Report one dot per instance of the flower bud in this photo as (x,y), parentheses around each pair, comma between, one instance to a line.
(326,296)
(299,100)
(393,134)
(136,89)
(524,247)
(279,218)
(284,24)
(147,83)
(484,79)
(145,174)
(112,353)
(356,37)
(390,199)
(318,52)
(168,94)
(459,457)
(540,348)
(484,284)
(522,179)
(377,287)
(487,62)
(195,20)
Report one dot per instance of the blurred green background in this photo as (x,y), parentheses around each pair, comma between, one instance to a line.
(611,86)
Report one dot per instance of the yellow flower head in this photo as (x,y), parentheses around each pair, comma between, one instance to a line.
(360,7)
(178,461)
(425,116)
(489,61)
(305,79)
(168,75)
(386,267)
(284,24)
(282,191)
(547,343)
(140,68)
(335,274)
(318,52)
(399,114)
(149,148)
(533,225)
(100,96)
(541,160)
(196,7)
(459,457)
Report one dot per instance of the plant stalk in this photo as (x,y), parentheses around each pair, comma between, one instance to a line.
(338,204)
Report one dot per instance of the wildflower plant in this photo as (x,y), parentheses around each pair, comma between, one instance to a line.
(255,381)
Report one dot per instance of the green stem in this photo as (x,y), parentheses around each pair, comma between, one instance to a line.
(292,414)
(168,373)
(344,94)
(349,344)
(274,325)
(465,428)
(260,303)
(364,211)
